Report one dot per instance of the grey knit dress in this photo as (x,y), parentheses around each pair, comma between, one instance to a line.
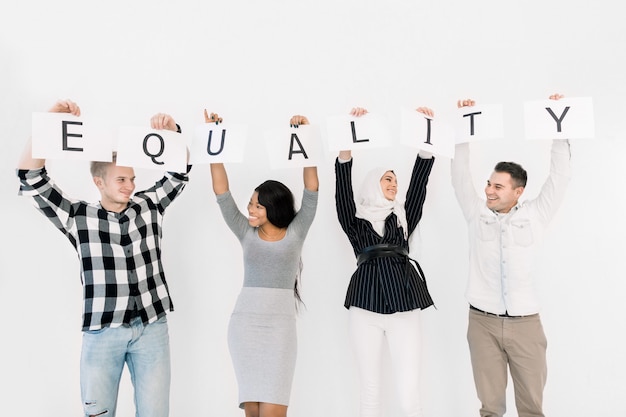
(262,329)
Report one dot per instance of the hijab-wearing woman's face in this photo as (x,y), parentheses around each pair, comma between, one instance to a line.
(389,185)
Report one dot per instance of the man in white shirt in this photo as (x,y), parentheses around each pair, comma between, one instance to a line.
(504,325)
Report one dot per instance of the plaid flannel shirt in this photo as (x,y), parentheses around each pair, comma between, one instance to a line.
(119,253)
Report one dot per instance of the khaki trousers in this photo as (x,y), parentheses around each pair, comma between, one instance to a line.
(520,344)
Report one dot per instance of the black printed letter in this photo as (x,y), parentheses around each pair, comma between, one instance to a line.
(151,155)
(291,151)
(74,135)
(208,146)
(354,139)
(428,130)
(471,115)
(558,120)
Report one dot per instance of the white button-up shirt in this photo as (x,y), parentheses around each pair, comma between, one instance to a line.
(502,246)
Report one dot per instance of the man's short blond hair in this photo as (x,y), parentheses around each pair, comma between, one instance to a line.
(99,168)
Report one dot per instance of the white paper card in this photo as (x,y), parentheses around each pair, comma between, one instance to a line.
(425,133)
(476,123)
(567,118)
(218,143)
(349,132)
(143,147)
(65,136)
(294,147)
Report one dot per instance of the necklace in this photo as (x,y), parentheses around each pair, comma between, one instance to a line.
(277,236)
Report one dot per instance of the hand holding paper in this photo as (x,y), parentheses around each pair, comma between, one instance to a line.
(162,121)
(213,118)
(298,120)
(27,161)
(427,111)
(65,106)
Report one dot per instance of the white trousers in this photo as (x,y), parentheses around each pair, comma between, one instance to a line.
(401,331)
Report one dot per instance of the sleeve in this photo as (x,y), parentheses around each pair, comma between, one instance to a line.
(235,220)
(553,190)
(462,182)
(304,218)
(164,191)
(416,194)
(49,199)
(344,197)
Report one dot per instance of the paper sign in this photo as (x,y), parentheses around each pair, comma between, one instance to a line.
(479,123)
(425,133)
(350,132)
(567,118)
(64,136)
(143,147)
(294,147)
(218,143)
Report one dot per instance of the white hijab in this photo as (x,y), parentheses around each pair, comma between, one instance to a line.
(371,204)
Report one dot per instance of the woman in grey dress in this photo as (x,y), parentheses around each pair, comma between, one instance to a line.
(262,329)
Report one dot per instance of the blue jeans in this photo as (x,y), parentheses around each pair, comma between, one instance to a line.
(145,350)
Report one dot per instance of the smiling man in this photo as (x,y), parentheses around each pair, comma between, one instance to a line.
(116,184)
(126,298)
(504,328)
(505,186)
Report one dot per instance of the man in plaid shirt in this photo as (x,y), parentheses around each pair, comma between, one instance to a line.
(125,293)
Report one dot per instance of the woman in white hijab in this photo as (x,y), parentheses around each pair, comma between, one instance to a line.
(388,290)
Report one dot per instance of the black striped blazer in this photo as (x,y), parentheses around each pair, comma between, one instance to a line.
(385,284)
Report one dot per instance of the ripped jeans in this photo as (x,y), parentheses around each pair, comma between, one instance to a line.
(146,351)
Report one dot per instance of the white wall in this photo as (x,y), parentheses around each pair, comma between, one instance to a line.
(259,63)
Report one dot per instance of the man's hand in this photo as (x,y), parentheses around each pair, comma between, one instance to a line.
(65,106)
(163,121)
(465,103)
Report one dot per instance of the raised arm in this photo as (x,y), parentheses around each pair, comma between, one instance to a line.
(416,193)
(219,177)
(462,181)
(309,174)
(346,154)
(26,160)
(553,190)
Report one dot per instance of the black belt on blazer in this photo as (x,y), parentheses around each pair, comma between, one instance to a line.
(392,251)
(381,250)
